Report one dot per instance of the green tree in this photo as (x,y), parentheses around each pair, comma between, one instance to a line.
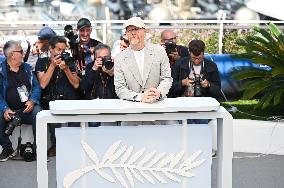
(230,38)
(266,48)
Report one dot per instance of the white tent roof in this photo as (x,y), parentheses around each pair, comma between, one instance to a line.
(272,8)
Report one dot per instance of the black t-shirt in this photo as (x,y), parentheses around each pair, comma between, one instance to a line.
(15,80)
(59,86)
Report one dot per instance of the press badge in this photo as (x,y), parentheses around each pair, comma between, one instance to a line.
(23,93)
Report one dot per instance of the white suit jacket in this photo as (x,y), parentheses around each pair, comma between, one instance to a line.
(157,73)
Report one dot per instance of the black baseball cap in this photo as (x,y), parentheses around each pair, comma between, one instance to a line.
(83,22)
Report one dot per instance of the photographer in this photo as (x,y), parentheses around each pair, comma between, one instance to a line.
(57,75)
(174,51)
(195,76)
(19,96)
(83,50)
(98,80)
(40,48)
(97,83)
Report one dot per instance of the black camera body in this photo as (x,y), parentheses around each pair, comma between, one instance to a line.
(69,33)
(170,47)
(66,57)
(107,62)
(51,96)
(28,152)
(14,122)
(197,86)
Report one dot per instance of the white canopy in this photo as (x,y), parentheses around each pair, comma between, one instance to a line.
(272,8)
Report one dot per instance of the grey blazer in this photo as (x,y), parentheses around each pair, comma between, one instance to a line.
(157,73)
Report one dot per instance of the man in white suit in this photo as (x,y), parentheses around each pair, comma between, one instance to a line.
(142,71)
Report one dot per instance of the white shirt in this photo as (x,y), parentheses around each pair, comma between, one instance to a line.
(139,57)
(197,70)
(116,48)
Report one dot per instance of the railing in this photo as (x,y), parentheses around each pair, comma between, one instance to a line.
(106,30)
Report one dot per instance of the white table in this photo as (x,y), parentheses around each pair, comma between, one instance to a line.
(111,110)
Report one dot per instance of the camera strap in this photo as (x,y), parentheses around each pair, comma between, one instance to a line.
(104,78)
(53,83)
(191,68)
(27,52)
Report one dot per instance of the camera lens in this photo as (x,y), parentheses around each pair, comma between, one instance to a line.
(197,86)
(170,47)
(65,56)
(14,122)
(107,62)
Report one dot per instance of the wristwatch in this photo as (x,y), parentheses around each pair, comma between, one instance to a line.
(161,97)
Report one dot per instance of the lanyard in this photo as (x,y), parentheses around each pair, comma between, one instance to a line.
(193,71)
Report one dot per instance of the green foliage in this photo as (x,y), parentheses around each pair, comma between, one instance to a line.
(184,36)
(210,37)
(248,110)
(265,47)
(230,45)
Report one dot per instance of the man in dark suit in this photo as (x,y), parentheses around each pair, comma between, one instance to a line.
(98,80)
(195,76)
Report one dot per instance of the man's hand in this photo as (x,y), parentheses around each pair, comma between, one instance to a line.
(97,64)
(29,106)
(7,114)
(110,72)
(187,82)
(92,50)
(174,55)
(55,60)
(151,95)
(205,83)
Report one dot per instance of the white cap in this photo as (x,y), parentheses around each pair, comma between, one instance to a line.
(135,21)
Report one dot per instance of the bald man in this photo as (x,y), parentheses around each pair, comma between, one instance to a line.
(174,51)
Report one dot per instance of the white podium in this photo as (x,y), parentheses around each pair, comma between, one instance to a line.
(166,141)
(111,110)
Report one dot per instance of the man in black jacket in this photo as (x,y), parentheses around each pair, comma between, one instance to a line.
(98,82)
(174,51)
(195,76)
(57,75)
(83,50)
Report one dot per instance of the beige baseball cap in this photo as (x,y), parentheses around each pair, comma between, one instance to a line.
(135,21)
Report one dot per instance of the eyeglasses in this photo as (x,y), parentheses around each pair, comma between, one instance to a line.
(20,51)
(135,29)
(196,58)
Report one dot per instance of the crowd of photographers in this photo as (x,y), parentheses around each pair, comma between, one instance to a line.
(75,66)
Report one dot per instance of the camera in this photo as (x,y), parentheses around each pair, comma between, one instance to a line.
(14,122)
(107,62)
(65,56)
(170,47)
(68,33)
(28,152)
(197,86)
